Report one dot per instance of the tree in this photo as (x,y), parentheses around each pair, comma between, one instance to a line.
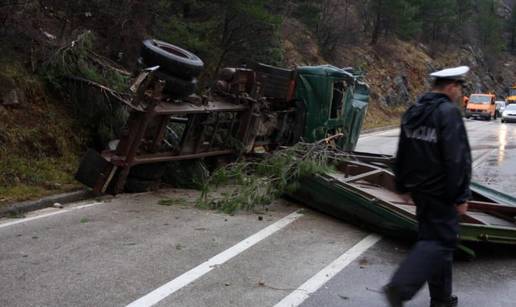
(511,29)
(330,20)
(395,16)
(223,32)
(489,26)
(439,18)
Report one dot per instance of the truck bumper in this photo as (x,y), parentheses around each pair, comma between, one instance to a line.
(477,114)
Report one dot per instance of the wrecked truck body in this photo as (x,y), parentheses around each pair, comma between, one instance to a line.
(264,108)
(363,193)
(248,110)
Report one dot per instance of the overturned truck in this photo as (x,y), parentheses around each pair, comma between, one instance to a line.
(248,110)
(257,110)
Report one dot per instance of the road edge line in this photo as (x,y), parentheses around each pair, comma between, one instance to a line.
(37,217)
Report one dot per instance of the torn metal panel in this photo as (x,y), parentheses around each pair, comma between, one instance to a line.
(363,193)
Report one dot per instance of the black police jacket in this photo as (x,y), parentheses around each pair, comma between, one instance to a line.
(434,156)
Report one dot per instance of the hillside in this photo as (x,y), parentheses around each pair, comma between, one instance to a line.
(42,135)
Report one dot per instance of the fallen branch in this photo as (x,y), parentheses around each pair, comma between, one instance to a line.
(260,182)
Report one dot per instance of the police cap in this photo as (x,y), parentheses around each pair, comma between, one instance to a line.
(455,73)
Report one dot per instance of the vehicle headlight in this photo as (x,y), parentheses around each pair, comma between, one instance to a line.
(505,113)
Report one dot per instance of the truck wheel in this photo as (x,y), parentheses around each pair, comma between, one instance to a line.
(172,59)
(177,87)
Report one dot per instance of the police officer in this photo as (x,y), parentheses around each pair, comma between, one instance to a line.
(433,166)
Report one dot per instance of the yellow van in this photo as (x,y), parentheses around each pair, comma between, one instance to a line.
(481,106)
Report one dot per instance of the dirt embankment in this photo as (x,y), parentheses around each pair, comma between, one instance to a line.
(39,141)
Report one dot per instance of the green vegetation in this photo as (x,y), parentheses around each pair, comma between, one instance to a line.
(437,22)
(490,27)
(78,60)
(259,182)
(39,154)
(96,106)
(223,33)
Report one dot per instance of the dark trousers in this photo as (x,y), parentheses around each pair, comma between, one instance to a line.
(430,260)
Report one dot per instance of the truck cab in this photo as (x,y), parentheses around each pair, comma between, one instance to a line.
(481,106)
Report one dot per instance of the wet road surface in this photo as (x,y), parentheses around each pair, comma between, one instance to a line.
(493,147)
(131,251)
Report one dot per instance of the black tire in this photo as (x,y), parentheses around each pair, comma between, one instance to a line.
(503,121)
(495,116)
(177,87)
(172,59)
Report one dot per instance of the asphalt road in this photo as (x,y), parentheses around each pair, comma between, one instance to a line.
(130,250)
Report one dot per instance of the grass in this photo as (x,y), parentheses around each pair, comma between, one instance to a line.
(15,215)
(39,141)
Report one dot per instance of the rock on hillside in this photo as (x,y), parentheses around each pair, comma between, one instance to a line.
(397,70)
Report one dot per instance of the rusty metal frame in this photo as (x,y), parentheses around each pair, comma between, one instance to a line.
(207,131)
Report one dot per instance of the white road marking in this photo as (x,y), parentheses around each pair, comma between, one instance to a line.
(298,296)
(28,219)
(183,280)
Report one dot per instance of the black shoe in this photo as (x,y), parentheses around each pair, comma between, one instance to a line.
(451,302)
(392,296)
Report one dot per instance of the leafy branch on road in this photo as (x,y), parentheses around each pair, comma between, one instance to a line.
(259,182)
